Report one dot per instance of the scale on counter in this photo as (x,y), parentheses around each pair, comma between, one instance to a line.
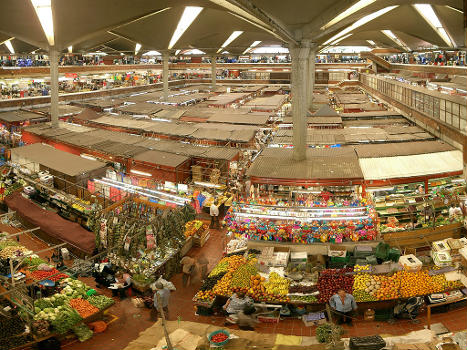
(437,298)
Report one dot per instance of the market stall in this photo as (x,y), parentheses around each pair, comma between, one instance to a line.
(53,227)
(43,302)
(147,238)
(377,276)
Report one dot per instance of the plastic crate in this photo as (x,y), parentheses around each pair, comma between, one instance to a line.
(343,260)
(362,251)
(361,262)
(382,250)
(394,254)
(371,260)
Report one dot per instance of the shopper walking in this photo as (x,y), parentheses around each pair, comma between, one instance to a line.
(343,304)
(188,269)
(214,212)
(161,302)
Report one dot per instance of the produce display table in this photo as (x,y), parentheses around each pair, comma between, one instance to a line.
(420,237)
(430,306)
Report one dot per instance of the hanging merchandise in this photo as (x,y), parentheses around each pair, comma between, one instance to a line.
(145,239)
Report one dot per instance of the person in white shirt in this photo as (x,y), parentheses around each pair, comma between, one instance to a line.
(214,212)
(454,212)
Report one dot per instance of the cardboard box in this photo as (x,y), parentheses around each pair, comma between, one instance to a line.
(419,346)
(441,246)
(298,257)
(455,245)
(336,250)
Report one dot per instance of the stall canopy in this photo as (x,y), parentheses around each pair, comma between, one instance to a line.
(412,165)
(52,224)
(60,161)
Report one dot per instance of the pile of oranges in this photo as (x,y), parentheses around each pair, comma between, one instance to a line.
(389,287)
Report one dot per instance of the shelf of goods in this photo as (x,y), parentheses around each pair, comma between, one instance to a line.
(300,224)
(141,239)
(71,306)
(401,213)
(270,277)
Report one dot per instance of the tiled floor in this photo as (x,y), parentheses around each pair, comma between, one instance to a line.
(126,321)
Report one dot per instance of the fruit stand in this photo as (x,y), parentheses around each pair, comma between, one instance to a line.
(303,282)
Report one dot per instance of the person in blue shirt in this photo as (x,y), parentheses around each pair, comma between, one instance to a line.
(343,304)
(164,296)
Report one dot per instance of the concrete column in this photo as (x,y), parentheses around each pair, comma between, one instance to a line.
(213,71)
(165,76)
(53,56)
(311,79)
(299,85)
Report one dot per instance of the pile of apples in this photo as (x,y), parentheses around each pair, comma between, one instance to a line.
(331,280)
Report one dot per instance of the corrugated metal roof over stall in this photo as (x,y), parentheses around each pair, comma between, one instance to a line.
(412,165)
(161,158)
(329,163)
(401,149)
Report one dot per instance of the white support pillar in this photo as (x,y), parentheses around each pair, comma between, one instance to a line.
(165,76)
(53,57)
(311,79)
(213,71)
(299,85)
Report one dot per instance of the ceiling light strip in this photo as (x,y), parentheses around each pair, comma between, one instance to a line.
(360,22)
(394,38)
(350,11)
(43,10)
(9,46)
(429,15)
(189,15)
(235,34)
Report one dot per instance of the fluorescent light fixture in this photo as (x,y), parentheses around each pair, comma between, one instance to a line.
(429,15)
(43,10)
(177,52)
(194,52)
(371,42)
(9,46)
(340,39)
(235,34)
(254,44)
(152,53)
(454,9)
(207,184)
(70,49)
(188,16)
(87,156)
(137,48)
(351,10)
(394,38)
(360,22)
(137,172)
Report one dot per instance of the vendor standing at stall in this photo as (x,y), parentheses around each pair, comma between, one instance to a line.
(214,212)
(344,305)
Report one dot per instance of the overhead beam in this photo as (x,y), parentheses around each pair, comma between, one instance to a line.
(246,10)
(312,28)
(114,26)
(38,44)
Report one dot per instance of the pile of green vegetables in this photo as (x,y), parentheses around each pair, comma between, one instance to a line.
(65,320)
(100,301)
(82,332)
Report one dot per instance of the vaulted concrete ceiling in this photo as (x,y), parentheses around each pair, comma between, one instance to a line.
(120,24)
